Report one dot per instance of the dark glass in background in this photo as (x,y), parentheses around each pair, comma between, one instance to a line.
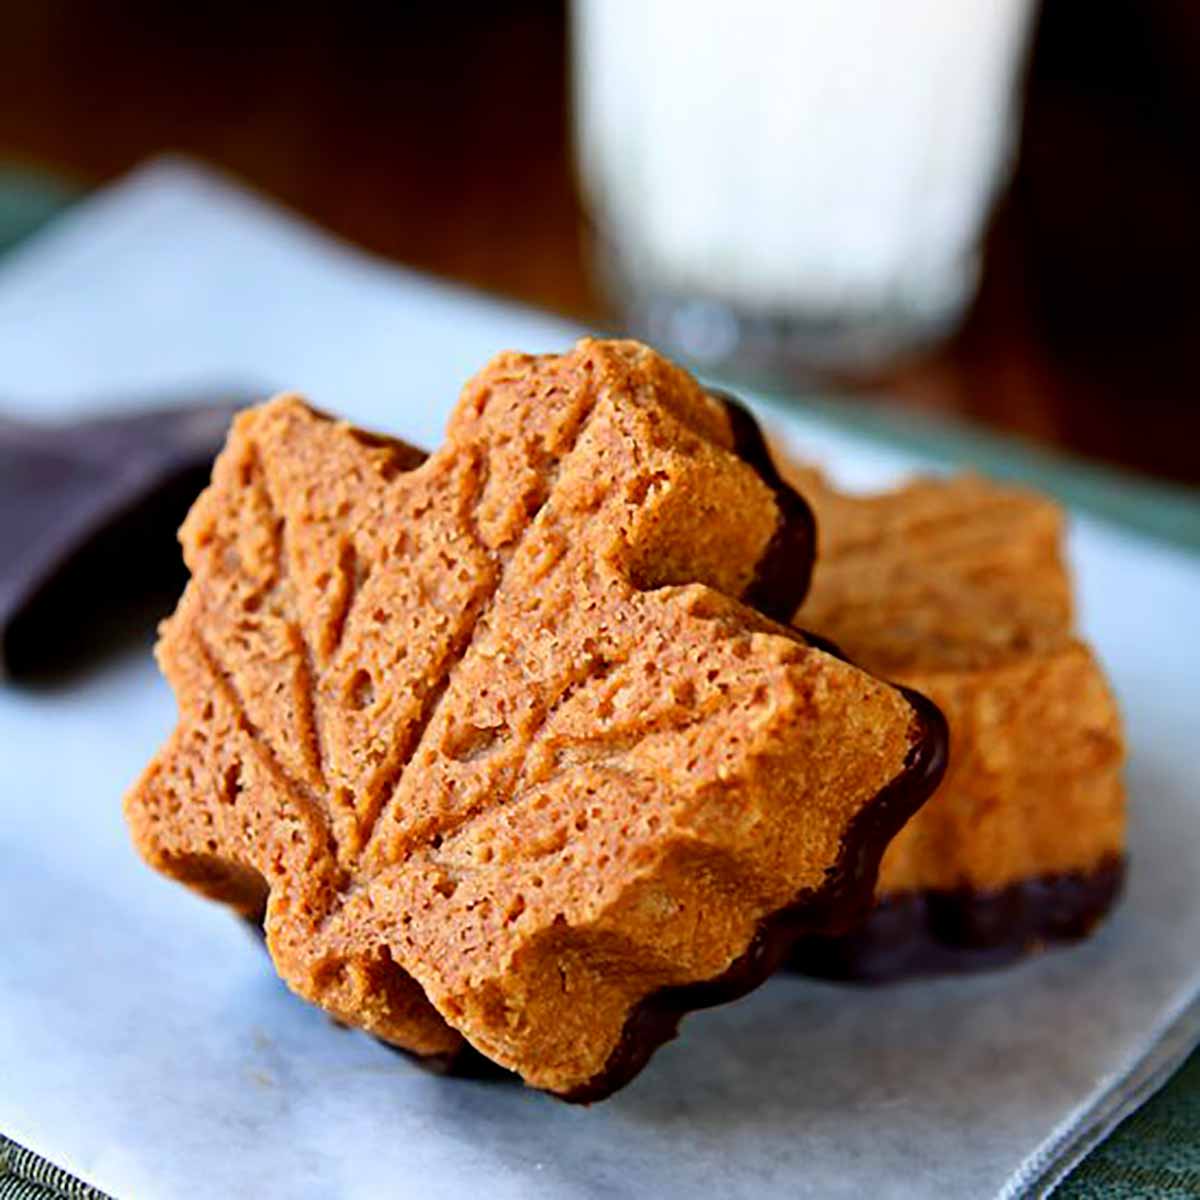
(437,135)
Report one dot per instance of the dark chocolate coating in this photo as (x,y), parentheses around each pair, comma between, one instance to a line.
(88,514)
(785,571)
(947,932)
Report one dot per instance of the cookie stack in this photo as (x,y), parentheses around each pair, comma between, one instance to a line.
(513,749)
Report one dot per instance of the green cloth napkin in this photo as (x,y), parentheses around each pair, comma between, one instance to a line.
(1156,1152)
(27,200)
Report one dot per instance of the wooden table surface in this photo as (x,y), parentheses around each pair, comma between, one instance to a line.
(437,135)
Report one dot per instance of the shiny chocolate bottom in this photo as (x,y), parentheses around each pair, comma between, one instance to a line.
(945,932)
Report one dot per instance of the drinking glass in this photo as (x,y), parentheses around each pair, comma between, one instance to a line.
(794,183)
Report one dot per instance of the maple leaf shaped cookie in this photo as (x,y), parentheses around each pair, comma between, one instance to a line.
(486,735)
(960,587)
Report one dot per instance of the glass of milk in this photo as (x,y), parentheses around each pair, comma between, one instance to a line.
(794,183)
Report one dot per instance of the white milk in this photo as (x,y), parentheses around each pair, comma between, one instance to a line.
(823,161)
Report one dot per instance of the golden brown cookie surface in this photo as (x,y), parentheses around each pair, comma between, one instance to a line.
(488,734)
(940,574)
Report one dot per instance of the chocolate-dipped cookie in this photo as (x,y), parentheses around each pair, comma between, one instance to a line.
(490,739)
(959,588)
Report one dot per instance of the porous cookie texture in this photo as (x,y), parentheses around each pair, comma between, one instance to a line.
(488,741)
(958,587)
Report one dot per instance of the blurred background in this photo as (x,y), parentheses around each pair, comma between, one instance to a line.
(1058,144)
